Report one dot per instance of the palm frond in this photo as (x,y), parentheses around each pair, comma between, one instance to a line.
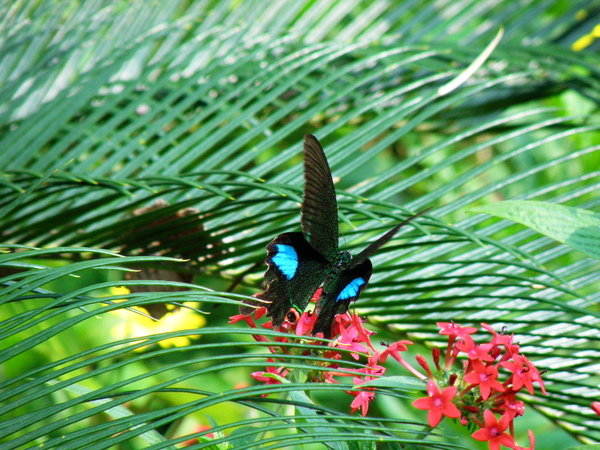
(134,135)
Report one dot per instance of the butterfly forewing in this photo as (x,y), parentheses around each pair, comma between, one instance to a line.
(338,292)
(319,206)
(295,271)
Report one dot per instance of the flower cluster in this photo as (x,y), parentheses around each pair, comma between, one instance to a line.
(475,383)
(350,336)
(483,391)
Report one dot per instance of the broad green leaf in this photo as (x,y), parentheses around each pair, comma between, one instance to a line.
(575,227)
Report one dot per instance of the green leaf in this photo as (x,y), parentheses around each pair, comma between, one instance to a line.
(149,437)
(578,228)
(397,382)
(317,423)
(585,447)
(183,122)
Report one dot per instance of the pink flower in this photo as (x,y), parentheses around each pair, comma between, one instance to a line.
(438,403)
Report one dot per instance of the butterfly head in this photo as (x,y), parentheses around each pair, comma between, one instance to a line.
(342,260)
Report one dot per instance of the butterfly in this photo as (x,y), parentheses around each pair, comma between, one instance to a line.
(299,263)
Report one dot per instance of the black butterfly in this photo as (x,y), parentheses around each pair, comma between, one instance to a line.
(300,263)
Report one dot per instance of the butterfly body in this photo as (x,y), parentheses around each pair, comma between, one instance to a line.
(299,263)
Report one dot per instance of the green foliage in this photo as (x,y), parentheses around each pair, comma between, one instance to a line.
(156,145)
(576,227)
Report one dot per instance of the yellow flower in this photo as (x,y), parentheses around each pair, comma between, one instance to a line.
(134,325)
(582,42)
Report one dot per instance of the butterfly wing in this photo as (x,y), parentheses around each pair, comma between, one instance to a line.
(295,271)
(346,287)
(319,207)
(338,293)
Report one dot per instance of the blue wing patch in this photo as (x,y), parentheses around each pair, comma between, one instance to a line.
(351,290)
(286,260)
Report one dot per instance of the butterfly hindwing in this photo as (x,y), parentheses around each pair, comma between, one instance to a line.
(319,206)
(338,292)
(294,273)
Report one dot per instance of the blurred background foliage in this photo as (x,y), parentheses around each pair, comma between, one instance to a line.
(150,150)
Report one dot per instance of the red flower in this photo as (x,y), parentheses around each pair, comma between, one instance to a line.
(340,321)
(521,375)
(453,329)
(511,406)
(503,339)
(424,364)
(363,334)
(486,377)
(531,440)
(535,374)
(265,378)
(438,403)
(305,323)
(361,401)
(362,397)
(596,407)
(350,339)
(317,295)
(240,317)
(474,351)
(195,440)
(394,350)
(494,431)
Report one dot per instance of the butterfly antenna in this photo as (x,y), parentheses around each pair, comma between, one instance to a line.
(344,239)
